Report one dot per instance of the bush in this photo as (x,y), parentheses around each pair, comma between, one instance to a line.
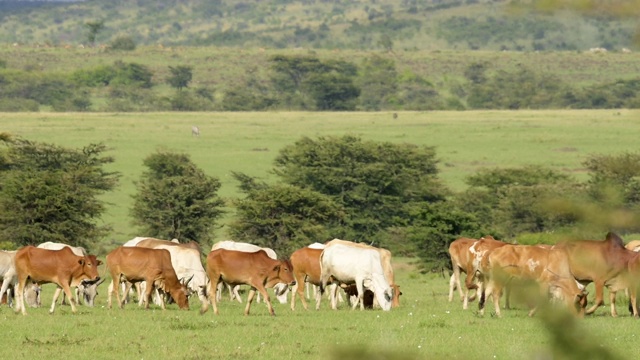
(17,105)
(122,42)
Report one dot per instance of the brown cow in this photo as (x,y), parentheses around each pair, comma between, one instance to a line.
(480,250)
(135,264)
(546,266)
(605,263)
(385,260)
(255,269)
(460,257)
(306,268)
(61,267)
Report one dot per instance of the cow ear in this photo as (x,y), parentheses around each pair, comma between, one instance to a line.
(81,262)
(98,263)
(276,268)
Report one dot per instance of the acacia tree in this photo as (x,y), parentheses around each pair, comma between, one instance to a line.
(377,183)
(282,217)
(176,199)
(181,76)
(50,193)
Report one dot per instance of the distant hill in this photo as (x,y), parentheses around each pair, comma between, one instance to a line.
(322,24)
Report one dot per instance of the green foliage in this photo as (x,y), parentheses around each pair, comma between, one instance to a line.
(50,193)
(378,81)
(99,76)
(522,89)
(180,77)
(309,83)
(434,227)
(132,74)
(94,28)
(376,183)
(176,199)
(187,101)
(620,171)
(3,64)
(122,42)
(18,105)
(282,217)
(510,201)
(132,98)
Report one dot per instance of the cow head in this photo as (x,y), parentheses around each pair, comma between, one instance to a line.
(180,296)
(284,272)
(381,289)
(89,265)
(89,290)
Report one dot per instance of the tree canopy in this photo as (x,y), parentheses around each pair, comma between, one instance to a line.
(176,199)
(50,193)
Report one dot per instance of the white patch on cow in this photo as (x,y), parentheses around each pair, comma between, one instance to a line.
(532,265)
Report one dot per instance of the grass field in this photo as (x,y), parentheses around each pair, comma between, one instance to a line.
(248,142)
(425,326)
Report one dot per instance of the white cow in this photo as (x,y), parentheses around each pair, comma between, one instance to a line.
(186,263)
(86,291)
(281,290)
(10,279)
(349,265)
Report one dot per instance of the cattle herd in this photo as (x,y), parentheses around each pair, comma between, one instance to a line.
(560,272)
(172,271)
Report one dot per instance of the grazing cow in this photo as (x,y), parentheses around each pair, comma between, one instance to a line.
(195,131)
(135,264)
(460,257)
(306,269)
(362,266)
(385,259)
(546,266)
(86,290)
(280,289)
(480,250)
(352,293)
(605,263)
(186,263)
(61,267)
(255,269)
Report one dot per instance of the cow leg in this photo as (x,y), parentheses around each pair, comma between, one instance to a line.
(261,290)
(56,294)
(612,300)
(360,290)
(599,285)
(633,301)
(19,290)
(452,285)
(5,286)
(236,293)
(333,295)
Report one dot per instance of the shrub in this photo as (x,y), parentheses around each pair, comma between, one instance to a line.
(122,42)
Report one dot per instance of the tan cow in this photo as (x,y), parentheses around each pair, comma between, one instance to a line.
(306,269)
(605,263)
(255,269)
(633,245)
(479,251)
(385,259)
(185,259)
(522,264)
(61,267)
(460,257)
(135,264)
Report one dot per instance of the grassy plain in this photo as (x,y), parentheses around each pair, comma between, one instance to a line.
(248,142)
(425,326)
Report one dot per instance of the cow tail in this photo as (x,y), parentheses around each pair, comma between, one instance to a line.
(323,283)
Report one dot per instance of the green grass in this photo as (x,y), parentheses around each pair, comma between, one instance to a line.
(248,142)
(425,326)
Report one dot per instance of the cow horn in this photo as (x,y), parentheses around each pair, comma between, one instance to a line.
(186,281)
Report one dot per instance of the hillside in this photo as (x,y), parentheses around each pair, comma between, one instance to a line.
(319,24)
